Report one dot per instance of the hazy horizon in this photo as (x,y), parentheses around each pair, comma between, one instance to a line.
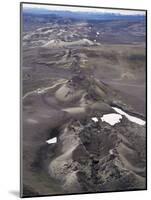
(83,9)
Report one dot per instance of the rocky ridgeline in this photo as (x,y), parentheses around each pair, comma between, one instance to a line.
(94,156)
(88,156)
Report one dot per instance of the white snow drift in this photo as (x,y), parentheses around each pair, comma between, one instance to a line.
(52,140)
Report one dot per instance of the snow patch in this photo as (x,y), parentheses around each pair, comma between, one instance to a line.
(130,117)
(95,119)
(52,141)
(111,118)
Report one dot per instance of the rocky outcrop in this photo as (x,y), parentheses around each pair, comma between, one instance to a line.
(94,156)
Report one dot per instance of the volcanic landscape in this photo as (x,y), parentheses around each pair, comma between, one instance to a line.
(76,74)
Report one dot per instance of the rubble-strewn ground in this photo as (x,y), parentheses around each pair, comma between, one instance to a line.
(73,71)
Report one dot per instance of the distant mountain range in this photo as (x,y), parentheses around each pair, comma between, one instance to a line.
(83,15)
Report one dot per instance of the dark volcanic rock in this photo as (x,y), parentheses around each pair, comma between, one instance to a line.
(65,86)
(105,160)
